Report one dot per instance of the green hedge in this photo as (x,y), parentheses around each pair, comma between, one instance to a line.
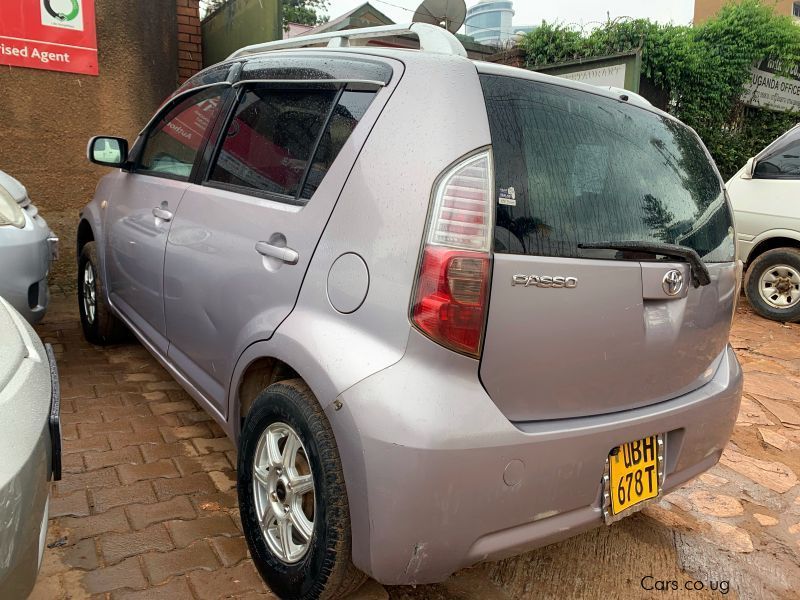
(702,69)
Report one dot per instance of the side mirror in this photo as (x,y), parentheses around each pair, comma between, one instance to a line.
(107,151)
(748,168)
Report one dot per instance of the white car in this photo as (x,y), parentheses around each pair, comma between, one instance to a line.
(765,195)
(30,447)
(27,249)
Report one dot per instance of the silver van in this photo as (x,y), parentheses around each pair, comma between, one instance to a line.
(449,310)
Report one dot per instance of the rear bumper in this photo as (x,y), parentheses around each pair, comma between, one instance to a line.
(439,479)
(25,257)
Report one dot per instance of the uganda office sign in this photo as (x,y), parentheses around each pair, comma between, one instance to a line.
(56,35)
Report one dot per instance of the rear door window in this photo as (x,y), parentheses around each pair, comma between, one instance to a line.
(574,167)
(281,143)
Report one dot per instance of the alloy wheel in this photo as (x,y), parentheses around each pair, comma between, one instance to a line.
(89,293)
(283,489)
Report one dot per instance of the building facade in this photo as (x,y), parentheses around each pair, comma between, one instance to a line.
(490,22)
(706,9)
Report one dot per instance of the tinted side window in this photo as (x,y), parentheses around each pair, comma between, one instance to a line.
(346,115)
(172,143)
(784,163)
(279,139)
(574,168)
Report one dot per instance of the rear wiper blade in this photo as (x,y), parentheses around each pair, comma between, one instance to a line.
(700,275)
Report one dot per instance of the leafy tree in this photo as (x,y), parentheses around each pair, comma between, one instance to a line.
(701,70)
(305,12)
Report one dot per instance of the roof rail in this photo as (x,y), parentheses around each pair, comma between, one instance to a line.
(431,39)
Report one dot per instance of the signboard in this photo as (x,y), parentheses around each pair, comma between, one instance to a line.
(619,70)
(56,35)
(767,89)
(613,75)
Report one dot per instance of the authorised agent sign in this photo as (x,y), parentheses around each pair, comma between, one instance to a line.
(56,35)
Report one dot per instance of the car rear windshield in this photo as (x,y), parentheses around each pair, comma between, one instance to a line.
(575,168)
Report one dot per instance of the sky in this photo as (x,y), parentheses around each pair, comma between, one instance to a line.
(532,12)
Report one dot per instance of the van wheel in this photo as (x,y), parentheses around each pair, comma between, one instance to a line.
(99,324)
(292,496)
(772,284)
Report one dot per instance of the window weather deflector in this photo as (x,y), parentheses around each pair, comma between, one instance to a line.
(700,275)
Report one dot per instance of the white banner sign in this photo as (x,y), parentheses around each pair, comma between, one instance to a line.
(613,75)
(768,90)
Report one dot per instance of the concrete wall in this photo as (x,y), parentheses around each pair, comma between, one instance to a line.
(239,23)
(46,117)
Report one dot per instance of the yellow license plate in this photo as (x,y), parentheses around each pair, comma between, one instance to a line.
(633,473)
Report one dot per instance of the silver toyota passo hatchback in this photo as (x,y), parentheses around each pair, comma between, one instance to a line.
(449,310)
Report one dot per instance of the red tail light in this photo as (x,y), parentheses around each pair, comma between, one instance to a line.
(451,296)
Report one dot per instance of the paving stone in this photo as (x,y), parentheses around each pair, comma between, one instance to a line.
(716,505)
(94,525)
(161,566)
(72,463)
(177,589)
(120,440)
(140,424)
(186,532)
(143,515)
(224,480)
(218,501)
(204,463)
(116,546)
(773,475)
(173,434)
(199,483)
(154,470)
(728,537)
(788,415)
(127,574)
(750,413)
(765,520)
(230,550)
(110,458)
(153,452)
(115,413)
(162,408)
(771,385)
(97,442)
(89,429)
(75,504)
(776,440)
(106,498)
(91,479)
(227,582)
(210,445)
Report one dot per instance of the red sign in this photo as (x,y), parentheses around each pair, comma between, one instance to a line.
(56,35)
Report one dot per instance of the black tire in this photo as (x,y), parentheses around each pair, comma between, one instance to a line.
(763,263)
(105,328)
(326,570)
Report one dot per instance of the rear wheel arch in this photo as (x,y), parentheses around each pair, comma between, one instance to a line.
(256,377)
(771,243)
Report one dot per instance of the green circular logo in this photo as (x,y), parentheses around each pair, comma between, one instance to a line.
(69,16)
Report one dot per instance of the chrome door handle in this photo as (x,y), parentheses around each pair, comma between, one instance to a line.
(163,214)
(287,255)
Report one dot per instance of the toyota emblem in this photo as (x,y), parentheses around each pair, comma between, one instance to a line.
(672,282)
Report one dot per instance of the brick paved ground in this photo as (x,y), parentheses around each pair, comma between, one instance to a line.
(147,506)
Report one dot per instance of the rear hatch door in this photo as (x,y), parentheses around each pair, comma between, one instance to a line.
(575,331)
